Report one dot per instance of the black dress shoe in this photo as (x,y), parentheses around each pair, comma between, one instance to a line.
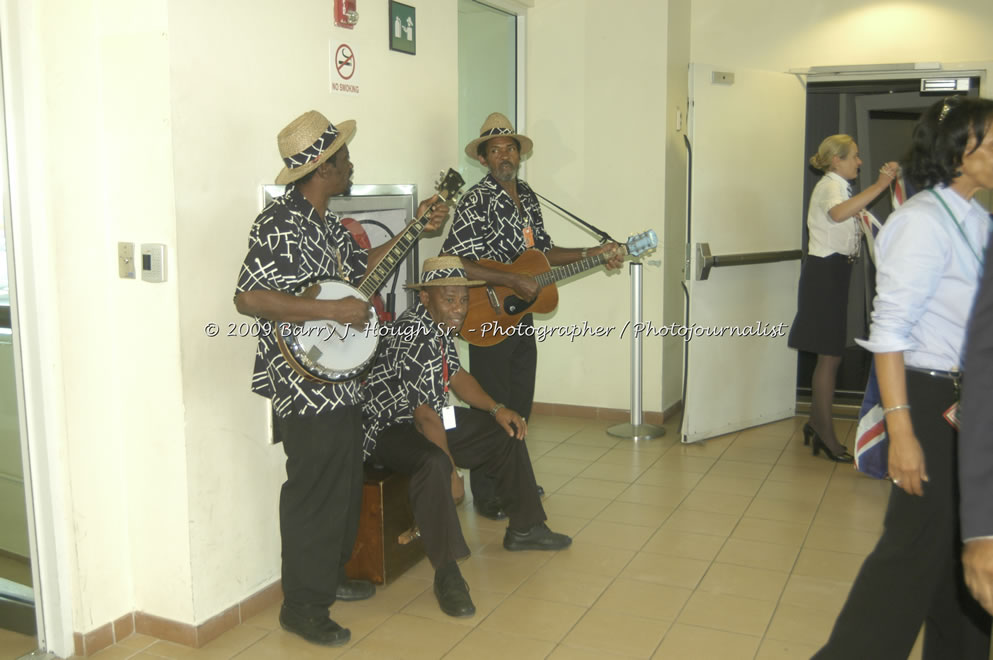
(315,628)
(538,537)
(354,590)
(491,508)
(452,593)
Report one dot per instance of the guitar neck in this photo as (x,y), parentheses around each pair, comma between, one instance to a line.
(575,268)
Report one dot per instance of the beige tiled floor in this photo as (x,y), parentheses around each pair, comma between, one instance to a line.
(743,546)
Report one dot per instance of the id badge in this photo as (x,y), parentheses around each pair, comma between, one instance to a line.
(448,417)
(952,415)
(528,236)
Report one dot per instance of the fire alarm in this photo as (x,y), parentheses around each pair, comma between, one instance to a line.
(345,14)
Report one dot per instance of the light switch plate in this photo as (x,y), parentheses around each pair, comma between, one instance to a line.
(125,260)
(722,78)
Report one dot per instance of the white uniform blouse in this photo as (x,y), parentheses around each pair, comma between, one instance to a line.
(828,237)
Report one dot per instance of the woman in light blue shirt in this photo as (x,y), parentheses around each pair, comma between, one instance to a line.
(929,257)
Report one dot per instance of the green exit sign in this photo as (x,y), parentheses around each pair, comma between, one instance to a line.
(403,28)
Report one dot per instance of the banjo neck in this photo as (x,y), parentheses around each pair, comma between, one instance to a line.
(398,251)
(449,186)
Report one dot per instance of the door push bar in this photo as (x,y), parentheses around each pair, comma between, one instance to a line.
(705,261)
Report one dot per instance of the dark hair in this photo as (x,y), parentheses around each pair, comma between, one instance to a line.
(940,138)
(481,147)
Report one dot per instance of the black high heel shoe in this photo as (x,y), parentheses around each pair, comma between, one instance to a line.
(819,446)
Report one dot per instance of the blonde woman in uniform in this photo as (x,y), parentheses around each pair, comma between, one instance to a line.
(835,233)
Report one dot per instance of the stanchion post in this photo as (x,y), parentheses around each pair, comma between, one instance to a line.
(637,429)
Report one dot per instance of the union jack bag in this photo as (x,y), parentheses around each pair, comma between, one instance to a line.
(872,446)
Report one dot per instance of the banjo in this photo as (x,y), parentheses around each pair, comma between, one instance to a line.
(331,352)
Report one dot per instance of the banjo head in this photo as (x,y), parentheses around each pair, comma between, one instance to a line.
(328,351)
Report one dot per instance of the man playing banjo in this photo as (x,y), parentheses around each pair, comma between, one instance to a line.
(294,243)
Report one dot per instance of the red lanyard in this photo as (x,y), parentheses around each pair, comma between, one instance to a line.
(444,367)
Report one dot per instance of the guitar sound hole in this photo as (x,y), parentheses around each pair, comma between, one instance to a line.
(514,305)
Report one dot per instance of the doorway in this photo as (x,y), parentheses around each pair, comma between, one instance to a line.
(487,74)
(18,627)
(880,116)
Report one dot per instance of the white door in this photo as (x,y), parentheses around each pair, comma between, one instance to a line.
(747,139)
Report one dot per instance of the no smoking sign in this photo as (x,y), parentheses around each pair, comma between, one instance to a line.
(344,69)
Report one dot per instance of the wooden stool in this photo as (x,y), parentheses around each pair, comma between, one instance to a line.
(378,555)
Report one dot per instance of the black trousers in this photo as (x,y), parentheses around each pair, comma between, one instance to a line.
(506,372)
(319,503)
(477,442)
(914,575)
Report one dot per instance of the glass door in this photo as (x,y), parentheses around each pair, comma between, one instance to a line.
(17,612)
(487,75)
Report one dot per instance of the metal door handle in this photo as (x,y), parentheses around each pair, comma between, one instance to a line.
(705,260)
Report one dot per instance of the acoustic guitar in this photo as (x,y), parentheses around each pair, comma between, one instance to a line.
(493,309)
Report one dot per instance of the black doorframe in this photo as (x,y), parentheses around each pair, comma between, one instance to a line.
(832,108)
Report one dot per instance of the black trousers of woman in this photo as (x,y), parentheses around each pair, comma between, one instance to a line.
(477,442)
(914,575)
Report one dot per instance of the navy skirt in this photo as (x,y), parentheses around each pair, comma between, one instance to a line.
(822,306)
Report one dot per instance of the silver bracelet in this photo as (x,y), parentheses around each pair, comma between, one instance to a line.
(902,406)
(494,409)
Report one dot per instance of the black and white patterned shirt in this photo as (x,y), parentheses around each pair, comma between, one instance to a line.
(488,225)
(409,371)
(290,247)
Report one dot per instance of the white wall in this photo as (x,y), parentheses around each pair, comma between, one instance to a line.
(596,110)
(107,164)
(781,34)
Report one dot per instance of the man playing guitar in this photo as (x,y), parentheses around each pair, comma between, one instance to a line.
(498,219)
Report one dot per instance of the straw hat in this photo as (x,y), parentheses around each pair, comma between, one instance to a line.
(444,271)
(308,141)
(496,125)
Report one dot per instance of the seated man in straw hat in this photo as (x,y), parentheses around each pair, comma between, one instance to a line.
(295,242)
(412,428)
(498,219)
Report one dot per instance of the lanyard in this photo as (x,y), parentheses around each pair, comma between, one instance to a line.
(444,368)
(979,255)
